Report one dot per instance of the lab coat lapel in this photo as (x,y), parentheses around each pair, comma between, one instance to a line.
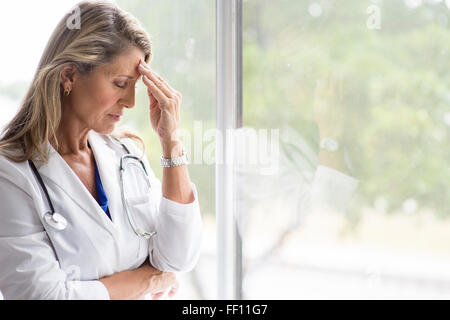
(108,167)
(59,172)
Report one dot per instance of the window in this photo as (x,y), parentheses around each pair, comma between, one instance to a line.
(338,185)
(371,75)
(184,55)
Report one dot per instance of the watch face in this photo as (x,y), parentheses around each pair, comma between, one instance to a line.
(330,145)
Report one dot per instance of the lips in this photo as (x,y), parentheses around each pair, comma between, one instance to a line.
(116,117)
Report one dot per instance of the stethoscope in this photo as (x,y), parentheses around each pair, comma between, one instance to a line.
(58,222)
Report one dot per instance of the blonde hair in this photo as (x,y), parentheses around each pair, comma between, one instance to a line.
(105,32)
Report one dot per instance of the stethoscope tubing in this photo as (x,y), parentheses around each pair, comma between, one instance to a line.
(41,182)
(60,223)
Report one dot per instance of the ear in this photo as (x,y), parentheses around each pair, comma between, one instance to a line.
(69,75)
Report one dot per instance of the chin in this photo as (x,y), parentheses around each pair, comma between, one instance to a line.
(105,131)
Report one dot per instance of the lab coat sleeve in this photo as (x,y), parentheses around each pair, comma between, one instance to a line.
(29,266)
(176,246)
(332,189)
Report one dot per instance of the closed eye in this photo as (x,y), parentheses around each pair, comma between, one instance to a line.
(124,86)
(119,86)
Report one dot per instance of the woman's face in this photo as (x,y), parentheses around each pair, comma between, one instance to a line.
(98,99)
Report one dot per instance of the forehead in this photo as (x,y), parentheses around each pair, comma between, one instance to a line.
(125,64)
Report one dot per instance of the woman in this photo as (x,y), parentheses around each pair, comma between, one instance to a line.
(72,225)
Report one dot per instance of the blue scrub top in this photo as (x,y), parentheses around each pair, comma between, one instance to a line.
(102,198)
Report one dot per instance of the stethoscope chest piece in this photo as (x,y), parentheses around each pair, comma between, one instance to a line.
(55,220)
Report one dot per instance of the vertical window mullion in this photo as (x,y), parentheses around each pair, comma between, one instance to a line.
(229,118)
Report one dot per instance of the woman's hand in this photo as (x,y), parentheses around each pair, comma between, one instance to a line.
(168,283)
(161,283)
(135,284)
(165,105)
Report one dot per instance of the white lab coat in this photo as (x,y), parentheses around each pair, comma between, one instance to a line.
(39,262)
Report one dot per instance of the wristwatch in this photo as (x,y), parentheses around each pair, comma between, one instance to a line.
(174,162)
(329,144)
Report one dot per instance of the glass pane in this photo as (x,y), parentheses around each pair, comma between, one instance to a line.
(183,38)
(25,45)
(184,55)
(350,199)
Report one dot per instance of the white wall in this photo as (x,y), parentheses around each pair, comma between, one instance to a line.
(33,23)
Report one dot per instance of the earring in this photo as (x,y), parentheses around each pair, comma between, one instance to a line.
(67,92)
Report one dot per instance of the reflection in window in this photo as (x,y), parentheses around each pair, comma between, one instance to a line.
(369,219)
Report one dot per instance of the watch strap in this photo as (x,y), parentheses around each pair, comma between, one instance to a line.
(174,162)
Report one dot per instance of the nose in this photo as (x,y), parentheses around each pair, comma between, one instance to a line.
(128,100)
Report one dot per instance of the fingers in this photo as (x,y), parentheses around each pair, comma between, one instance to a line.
(153,101)
(171,290)
(157,296)
(162,86)
(174,92)
(162,96)
(174,289)
(162,92)
(155,91)
(160,82)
